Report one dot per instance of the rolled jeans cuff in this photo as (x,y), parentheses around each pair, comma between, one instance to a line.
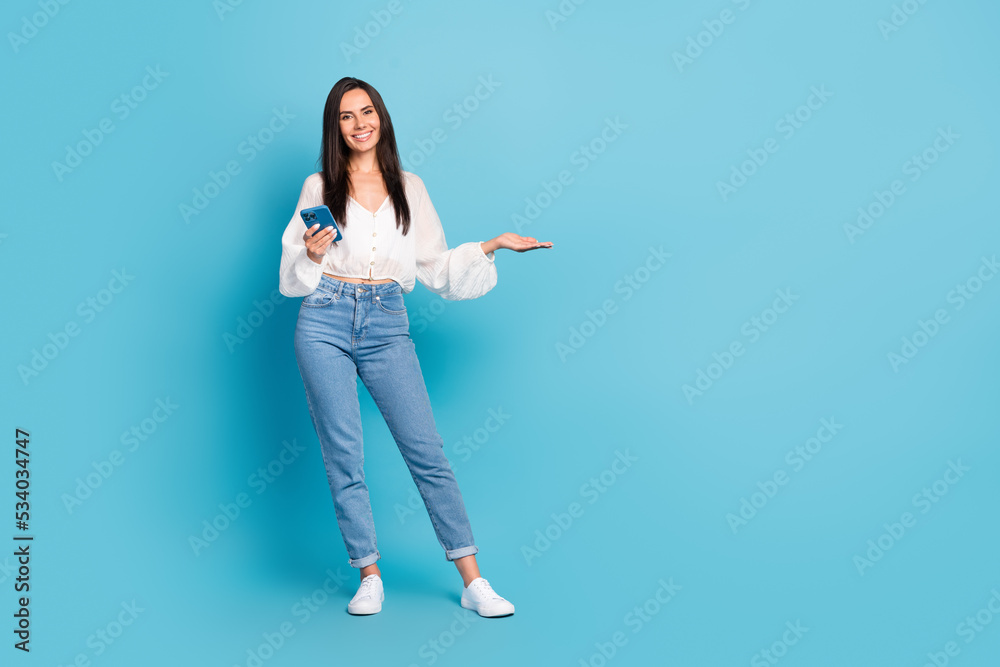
(452,554)
(366,561)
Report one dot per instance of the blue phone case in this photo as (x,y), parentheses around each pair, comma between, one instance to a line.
(324,217)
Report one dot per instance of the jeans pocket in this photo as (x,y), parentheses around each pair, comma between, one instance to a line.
(391,303)
(319,298)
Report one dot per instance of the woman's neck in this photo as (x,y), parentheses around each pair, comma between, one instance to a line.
(365,162)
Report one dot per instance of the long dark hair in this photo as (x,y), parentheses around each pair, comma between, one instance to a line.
(334,155)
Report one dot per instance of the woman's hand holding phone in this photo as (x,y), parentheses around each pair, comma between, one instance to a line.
(318,242)
(316,246)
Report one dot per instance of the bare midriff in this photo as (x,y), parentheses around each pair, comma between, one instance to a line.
(364,281)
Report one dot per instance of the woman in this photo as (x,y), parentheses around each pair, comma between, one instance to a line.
(353,323)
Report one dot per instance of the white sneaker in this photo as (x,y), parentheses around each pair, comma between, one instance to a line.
(480,597)
(368,599)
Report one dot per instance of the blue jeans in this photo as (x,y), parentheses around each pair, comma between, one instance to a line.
(350,330)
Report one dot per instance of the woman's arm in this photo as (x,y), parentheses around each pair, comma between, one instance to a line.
(299,275)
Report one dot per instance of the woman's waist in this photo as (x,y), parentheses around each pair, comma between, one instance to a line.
(340,284)
(364,281)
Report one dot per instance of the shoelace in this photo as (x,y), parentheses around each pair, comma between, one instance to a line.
(365,591)
(484,589)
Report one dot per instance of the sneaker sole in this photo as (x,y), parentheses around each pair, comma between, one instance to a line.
(367,613)
(470,606)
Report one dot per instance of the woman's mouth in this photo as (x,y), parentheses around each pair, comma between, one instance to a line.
(362,137)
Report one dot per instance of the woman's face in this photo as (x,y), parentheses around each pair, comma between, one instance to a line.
(359,122)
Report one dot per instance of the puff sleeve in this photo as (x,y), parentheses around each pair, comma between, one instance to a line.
(299,275)
(463,272)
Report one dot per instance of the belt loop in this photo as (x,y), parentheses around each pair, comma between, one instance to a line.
(340,288)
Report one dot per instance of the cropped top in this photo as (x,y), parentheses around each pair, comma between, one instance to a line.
(372,242)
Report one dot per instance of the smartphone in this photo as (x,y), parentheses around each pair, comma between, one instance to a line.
(324,217)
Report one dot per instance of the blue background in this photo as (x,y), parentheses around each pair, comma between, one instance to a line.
(169,333)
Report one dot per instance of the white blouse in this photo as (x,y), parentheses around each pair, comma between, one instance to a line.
(372,247)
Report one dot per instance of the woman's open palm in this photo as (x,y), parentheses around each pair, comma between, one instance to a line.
(520,243)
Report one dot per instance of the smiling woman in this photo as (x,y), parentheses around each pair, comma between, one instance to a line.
(353,323)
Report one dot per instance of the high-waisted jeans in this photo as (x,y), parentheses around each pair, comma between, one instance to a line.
(350,330)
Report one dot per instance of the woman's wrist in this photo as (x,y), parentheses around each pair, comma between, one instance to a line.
(489,246)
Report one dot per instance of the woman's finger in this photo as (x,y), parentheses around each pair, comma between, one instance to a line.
(308,234)
(317,244)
